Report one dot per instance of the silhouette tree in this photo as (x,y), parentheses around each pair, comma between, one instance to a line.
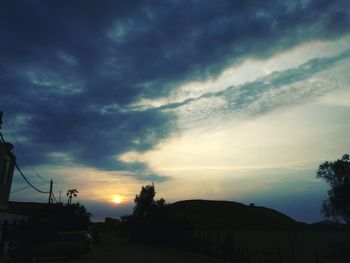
(72,193)
(144,203)
(153,223)
(161,203)
(337,175)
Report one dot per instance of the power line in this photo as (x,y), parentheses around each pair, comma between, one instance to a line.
(21,150)
(24,188)
(43,184)
(54,197)
(19,170)
(20,189)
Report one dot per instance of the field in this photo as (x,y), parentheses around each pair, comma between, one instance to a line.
(222,229)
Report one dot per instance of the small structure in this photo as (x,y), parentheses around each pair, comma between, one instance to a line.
(7,165)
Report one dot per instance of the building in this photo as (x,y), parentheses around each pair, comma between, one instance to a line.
(7,165)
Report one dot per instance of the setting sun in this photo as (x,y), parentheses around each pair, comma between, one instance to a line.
(117,199)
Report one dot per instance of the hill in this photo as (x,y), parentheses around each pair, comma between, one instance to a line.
(205,214)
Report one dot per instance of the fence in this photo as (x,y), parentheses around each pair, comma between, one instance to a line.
(222,244)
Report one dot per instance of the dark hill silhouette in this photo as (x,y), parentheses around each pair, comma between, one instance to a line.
(206,214)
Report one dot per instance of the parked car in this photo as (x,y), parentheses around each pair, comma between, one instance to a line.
(65,244)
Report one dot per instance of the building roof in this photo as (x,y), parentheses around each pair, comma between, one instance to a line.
(26,208)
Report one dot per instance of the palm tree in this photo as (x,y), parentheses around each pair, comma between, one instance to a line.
(71,193)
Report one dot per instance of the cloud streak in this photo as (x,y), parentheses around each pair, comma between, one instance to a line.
(267,93)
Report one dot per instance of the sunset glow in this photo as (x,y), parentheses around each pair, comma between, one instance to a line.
(117,199)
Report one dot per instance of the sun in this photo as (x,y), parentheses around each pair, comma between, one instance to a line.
(117,199)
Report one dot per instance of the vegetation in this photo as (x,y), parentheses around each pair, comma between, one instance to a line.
(70,217)
(145,205)
(337,175)
(43,225)
(71,193)
(231,231)
(151,222)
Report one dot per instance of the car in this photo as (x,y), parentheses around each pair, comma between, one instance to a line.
(65,244)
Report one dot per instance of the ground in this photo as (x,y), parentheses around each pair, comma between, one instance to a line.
(119,250)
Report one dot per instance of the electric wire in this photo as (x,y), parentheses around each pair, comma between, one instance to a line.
(21,150)
(42,183)
(19,189)
(38,190)
(24,188)
(54,197)
(19,170)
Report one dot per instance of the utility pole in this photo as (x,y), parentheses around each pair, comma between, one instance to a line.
(60,196)
(50,192)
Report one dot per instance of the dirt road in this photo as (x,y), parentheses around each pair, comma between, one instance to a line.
(120,251)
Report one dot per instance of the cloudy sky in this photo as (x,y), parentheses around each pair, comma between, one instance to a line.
(223,100)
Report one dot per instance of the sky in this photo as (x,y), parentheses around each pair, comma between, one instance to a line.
(219,100)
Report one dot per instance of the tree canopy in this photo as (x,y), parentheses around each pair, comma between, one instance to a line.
(71,193)
(337,175)
(145,204)
(151,221)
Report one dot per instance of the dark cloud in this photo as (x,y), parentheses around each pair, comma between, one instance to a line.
(70,69)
